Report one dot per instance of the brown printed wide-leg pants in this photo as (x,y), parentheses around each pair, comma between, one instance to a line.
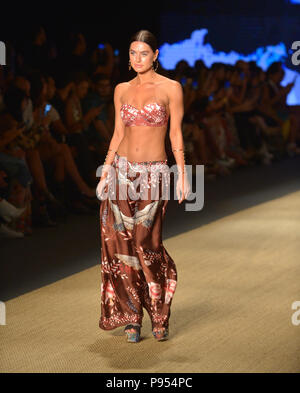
(136,269)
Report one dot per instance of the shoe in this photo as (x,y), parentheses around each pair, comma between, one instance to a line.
(5,231)
(9,211)
(135,336)
(161,334)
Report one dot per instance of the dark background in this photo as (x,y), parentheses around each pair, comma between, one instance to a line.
(232,24)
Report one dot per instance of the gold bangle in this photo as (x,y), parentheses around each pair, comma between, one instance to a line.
(178,150)
(112,150)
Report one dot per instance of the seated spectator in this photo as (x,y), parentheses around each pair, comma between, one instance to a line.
(76,122)
(63,87)
(254,93)
(28,141)
(242,106)
(56,156)
(100,129)
(58,127)
(13,159)
(77,141)
(274,98)
(210,111)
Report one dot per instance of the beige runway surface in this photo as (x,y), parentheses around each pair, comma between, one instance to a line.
(232,310)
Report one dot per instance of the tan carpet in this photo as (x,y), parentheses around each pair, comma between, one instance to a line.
(237,280)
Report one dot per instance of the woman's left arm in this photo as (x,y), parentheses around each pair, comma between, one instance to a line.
(176,115)
(176,105)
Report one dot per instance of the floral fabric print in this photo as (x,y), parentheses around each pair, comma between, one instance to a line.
(136,270)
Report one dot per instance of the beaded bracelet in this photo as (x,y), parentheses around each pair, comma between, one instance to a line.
(107,155)
(173,150)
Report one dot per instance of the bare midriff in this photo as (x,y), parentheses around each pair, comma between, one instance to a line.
(142,143)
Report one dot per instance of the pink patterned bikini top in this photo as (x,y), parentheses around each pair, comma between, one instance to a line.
(151,115)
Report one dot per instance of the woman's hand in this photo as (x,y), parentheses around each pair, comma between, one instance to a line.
(101,186)
(182,187)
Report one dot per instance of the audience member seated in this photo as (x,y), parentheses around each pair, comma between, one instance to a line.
(13,158)
(100,130)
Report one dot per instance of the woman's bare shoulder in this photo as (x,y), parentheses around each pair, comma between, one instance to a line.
(121,87)
(168,83)
(171,87)
(120,90)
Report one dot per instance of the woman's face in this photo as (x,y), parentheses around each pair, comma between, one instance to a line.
(141,56)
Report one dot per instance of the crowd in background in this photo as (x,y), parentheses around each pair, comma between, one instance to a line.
(57,119)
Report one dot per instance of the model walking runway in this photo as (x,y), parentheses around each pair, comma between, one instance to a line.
(137,270)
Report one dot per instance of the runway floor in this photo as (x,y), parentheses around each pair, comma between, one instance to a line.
(238,275)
